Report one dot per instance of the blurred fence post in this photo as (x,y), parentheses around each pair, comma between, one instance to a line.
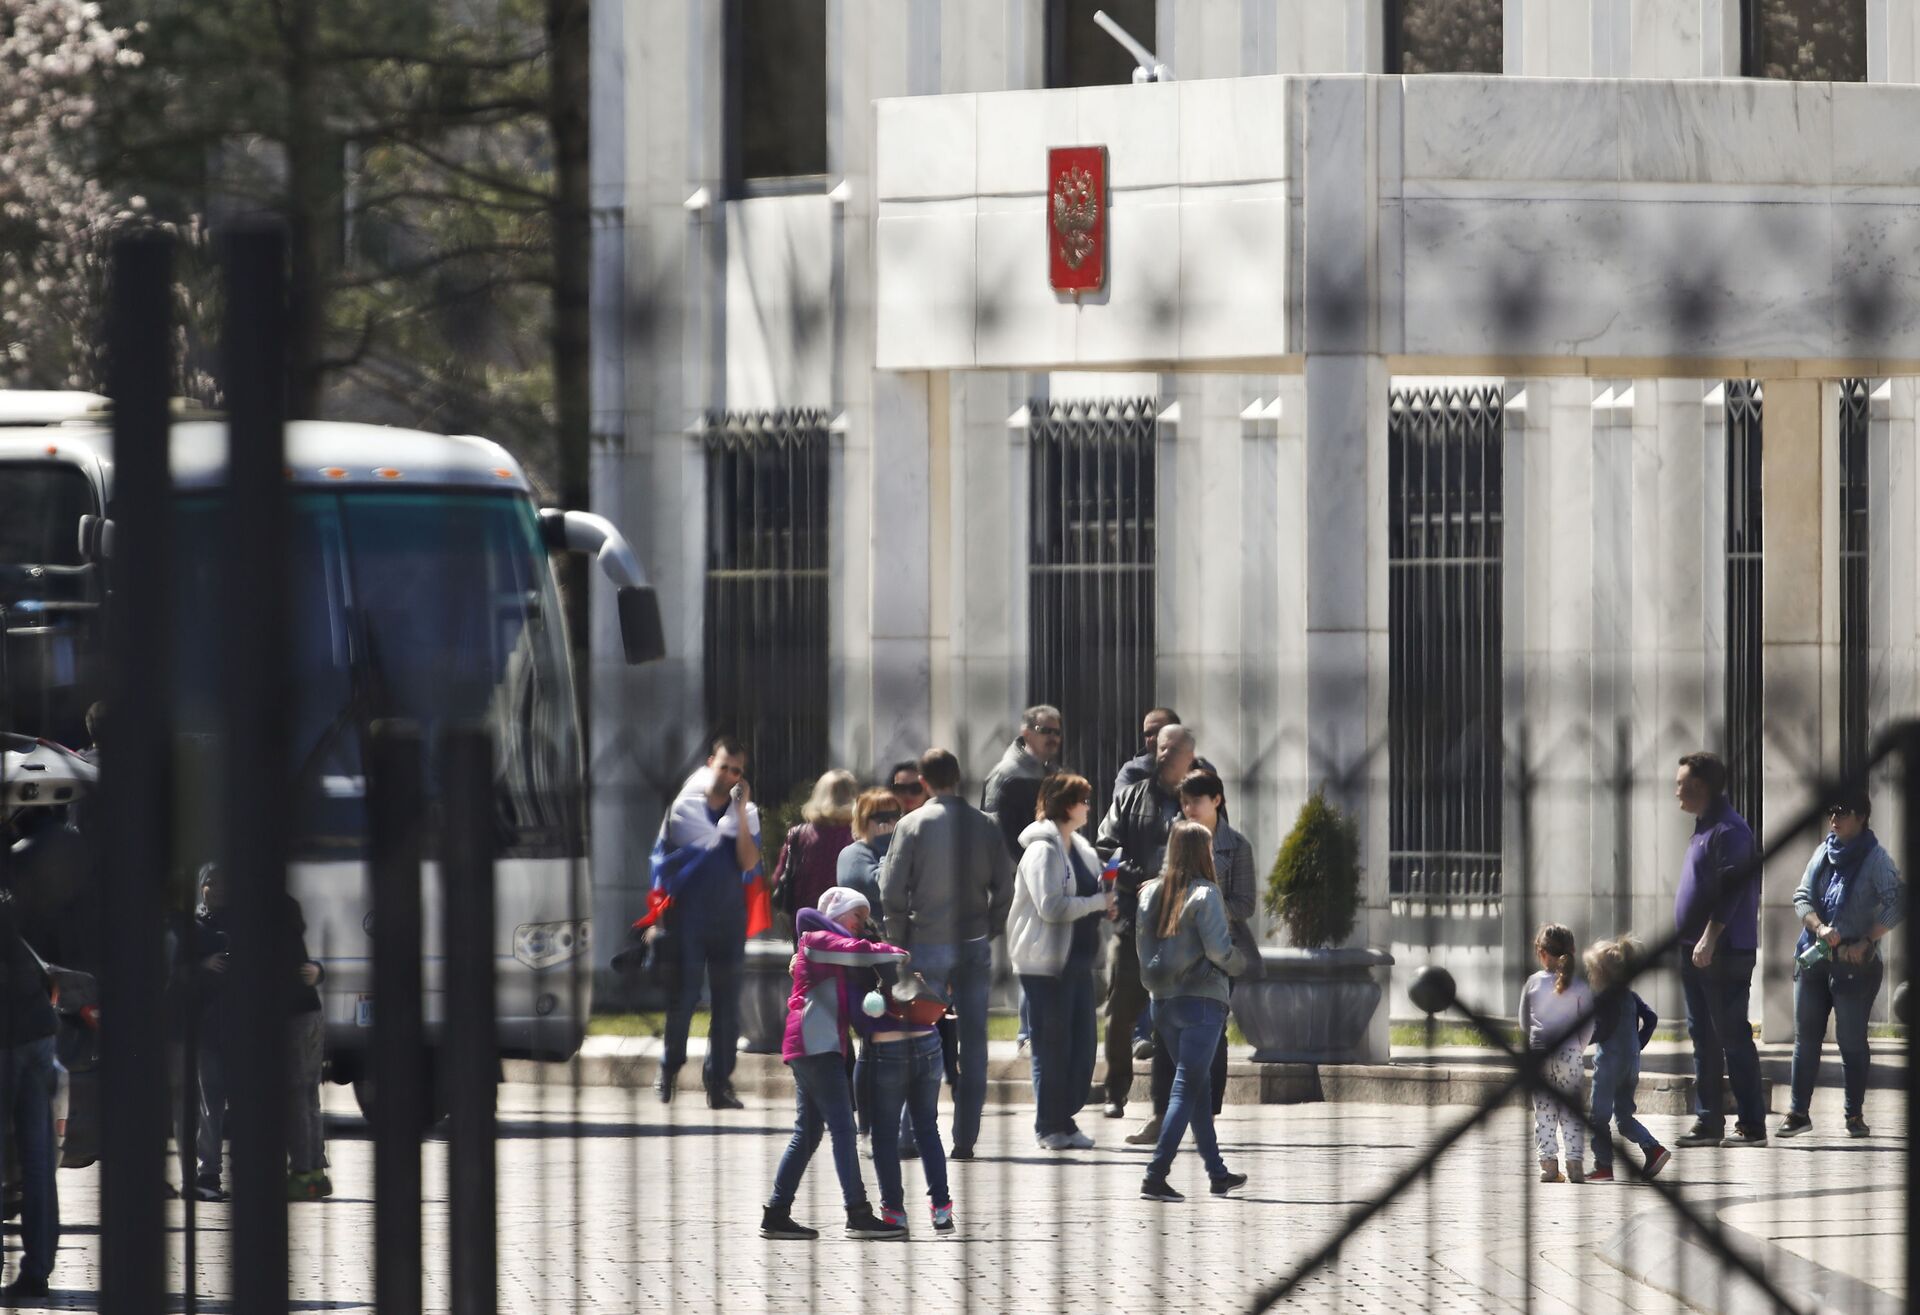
(253,651)
(395,817)
(136,785)
(1909,865)
(472,1066)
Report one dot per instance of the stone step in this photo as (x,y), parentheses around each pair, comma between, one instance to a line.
(1009,1081)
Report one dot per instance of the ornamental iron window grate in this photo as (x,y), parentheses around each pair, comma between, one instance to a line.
(1090,577)
(766,593)
(1444,675)
(1744,707)
(1444,36)
(1853,573)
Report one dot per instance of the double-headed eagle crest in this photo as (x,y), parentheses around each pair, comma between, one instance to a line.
(1076,212)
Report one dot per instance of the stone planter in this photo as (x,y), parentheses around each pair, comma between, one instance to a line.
(1314,1006)
(766,983)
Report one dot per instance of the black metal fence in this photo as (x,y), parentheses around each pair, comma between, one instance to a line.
(1410,1185)
(1745,697)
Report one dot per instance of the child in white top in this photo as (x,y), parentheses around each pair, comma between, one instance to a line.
(1556,1014)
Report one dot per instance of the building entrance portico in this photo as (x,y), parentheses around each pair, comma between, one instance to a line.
(1603,255)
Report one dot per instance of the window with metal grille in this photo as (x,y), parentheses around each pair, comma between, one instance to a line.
(1445,36)
(1743,703)
(1444,670)
(1804,40)
(1090,566)
(766,593)
(1853,573)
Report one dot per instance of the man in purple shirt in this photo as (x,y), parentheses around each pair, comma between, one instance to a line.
(1717,910)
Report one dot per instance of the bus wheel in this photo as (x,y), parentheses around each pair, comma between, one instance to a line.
(433,1105)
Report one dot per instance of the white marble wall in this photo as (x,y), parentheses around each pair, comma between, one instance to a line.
(1622,38)
(1551,225)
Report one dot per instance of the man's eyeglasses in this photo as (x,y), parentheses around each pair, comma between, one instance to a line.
(1047,730)
(908,788)
(1839,811)
(885,819)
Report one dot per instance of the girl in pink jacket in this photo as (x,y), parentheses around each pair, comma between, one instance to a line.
(814,1048)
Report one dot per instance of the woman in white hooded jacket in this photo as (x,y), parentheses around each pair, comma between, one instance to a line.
(1053,938)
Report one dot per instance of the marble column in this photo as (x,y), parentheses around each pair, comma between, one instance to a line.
(1799,657)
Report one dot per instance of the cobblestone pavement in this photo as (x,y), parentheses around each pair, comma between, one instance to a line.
(610,1202)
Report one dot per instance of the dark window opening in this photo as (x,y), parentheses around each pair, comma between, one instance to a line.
(1081,54)
(1854,570)
(1744,708)
(766,594)
(1091,577)
(1804,40)
(1445,36)
(776,93)
(1444,697)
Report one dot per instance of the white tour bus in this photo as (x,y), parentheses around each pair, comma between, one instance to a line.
(422,589)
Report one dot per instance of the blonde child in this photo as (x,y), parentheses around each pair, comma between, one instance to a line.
(1622,1026)
(1556,1014)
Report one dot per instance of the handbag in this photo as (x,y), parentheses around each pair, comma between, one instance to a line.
(914,1000)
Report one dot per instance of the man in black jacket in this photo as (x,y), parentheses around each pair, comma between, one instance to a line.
(1136,828)
(29,1077)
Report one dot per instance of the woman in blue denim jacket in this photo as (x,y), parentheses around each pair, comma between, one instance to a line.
(1850,897)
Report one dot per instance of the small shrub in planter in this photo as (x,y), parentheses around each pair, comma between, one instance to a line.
(1315,884)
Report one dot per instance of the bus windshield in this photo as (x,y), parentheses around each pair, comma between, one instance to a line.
(438,607)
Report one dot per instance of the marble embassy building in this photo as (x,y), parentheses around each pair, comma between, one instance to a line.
(1482,405)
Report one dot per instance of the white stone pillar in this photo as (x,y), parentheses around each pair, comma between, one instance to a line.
(1799,657)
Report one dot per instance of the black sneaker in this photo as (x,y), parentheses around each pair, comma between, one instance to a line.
(1221,1186)
(1742,1135)
(863,1223)
(909,1149)
(776,1222)
(1702,1133)
(1857,1126)
(957,1153)
(724,1099)
(1794,1125)
(663,1086)
(23,1287)
(1154,1187)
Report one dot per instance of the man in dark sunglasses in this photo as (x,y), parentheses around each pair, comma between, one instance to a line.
(904,780)
(1013,786)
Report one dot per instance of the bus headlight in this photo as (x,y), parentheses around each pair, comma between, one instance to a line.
(544,944)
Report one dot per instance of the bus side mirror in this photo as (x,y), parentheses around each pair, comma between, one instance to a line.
(96,538)
(642,635)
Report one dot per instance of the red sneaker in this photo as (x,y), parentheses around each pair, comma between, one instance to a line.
(1600,1176)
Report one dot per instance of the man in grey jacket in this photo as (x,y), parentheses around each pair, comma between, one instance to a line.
(946,886)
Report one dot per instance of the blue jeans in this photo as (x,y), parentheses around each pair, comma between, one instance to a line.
(964,974)
(1189,1027)
(1063,1046)
(1717,1021)
(1616,1072)
(906,1075)
(31,1078)
(713,942)
(1848,995)
(821,1100)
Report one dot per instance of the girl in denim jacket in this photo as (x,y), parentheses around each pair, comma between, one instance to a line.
(1622,1026)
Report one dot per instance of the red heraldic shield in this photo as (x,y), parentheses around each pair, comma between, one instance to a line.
(1077,218)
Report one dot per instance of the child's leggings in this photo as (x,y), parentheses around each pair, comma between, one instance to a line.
(1563,1069)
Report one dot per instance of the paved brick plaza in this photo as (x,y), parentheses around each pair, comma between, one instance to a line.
(667,1212)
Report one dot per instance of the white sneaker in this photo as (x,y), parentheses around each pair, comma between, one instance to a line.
(1053,1141)
(1078,1141)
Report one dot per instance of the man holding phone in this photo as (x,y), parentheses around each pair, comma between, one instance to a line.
(713,833)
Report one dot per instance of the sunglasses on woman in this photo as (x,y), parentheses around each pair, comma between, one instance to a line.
(908,788)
